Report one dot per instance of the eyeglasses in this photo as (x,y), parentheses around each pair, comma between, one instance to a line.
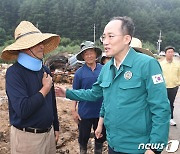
(109,37)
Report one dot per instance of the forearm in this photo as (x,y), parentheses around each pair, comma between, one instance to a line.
(83,95)
(160,111)
(44,90)
(101,122)
(26,106)
(56,121)
(157,102)
(74,106)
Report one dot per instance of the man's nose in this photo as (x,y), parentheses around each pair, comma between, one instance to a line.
(105,41)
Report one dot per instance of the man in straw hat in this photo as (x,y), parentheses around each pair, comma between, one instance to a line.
(137,45)
(135,109)
(30,91)
(88,113)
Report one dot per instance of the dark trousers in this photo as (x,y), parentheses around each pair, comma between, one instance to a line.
(171,96)
(85,126)
(111,151)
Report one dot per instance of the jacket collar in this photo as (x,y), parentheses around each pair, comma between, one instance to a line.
(167,61)
(128,61)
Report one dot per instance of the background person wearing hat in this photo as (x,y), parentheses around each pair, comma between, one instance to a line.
(88,112)
(136,44)
(135,109)
(104,58)
(30,91)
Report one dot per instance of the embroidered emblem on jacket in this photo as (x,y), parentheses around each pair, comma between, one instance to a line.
(128,75)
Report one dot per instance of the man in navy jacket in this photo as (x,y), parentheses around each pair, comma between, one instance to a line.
(30,91)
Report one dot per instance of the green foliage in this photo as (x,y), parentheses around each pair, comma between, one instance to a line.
(68,42)
(150,46)
(65,41)
(74,20)
(8,42)
(2,35)
(172,38)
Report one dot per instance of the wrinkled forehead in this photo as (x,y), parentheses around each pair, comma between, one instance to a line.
(87,51)
(169,50)
(113,27)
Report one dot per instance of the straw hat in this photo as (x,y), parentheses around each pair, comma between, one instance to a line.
(88,45)
(26,36)
(137,45)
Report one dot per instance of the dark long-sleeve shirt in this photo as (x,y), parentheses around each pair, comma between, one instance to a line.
(84,79)
(27,106)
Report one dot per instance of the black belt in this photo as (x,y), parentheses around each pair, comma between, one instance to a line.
(34,130)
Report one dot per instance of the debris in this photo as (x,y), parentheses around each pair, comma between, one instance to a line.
(62,68)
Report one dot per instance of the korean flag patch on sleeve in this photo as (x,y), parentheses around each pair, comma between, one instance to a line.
(157,79)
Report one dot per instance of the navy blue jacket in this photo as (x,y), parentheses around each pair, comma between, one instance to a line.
(84,79)
(27,106)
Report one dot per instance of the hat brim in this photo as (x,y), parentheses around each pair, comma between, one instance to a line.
(141,50)
(50,41)
(97,50)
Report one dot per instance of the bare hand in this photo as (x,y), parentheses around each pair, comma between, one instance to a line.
(76,116)
(56,133)
(98,132)
(149,152)
(60,92)
(47,80)
(47,84)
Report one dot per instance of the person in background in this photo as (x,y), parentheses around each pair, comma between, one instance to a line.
(136,44)
(29,87)
(135,109)
(104,58)
(171,72)
(87,115)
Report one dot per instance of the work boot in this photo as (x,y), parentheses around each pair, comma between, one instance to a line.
(98,148)
(83,150)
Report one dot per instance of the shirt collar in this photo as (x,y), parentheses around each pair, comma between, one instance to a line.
(128,59)
(167,61)
(90,67)
(121,61)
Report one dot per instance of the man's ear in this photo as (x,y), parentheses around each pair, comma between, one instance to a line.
(127,39)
